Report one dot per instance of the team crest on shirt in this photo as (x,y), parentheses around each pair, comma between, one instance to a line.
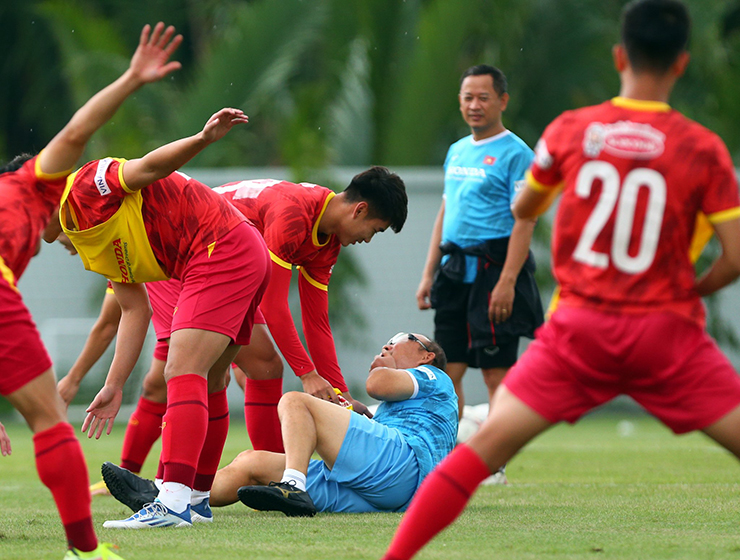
(623,139)
(489,160)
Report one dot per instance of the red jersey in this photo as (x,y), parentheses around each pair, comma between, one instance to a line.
(181,216)
(635,176)
(287,215)
(28,198)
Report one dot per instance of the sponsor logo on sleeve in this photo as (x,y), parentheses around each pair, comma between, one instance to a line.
(623,139)
(100,183)
(542,157)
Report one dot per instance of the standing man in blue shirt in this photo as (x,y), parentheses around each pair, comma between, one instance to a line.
(366,465)
(478,274)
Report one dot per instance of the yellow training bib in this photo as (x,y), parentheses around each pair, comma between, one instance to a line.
(119,248)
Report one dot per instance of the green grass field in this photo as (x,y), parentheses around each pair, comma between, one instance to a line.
(608,488)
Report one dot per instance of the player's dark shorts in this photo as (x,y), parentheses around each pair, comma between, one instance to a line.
(22,354)
(451,329)
(582,358)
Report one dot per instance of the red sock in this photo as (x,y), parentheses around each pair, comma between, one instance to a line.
(218,429)
(260,413)
(143,429)
(439,501)
(184,427)
(61,467)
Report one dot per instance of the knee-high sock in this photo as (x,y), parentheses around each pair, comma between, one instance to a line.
(218,429)
(184,427)
(439,501)
(261,398)
(143,429)
(61,467)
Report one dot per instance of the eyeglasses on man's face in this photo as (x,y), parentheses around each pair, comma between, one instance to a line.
(403,336)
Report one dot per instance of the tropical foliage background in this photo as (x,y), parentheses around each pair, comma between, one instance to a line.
(337,82)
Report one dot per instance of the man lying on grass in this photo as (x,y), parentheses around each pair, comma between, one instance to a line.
(367,465)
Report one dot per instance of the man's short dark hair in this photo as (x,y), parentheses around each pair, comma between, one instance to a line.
(654,33)
(385,194)
(440,358)
(15,164)
(499,80)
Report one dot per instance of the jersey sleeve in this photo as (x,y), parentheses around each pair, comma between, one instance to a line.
(97,191)
(49,178)
(286,227)
(276,310)
(316,329)
(545,173)
(721,201)
(425,381)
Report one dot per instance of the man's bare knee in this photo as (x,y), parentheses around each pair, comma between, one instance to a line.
(290,400)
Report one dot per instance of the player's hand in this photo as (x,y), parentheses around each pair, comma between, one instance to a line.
(220,123)
(423,293)
(68,387)
(357,406)
(67,243)
(149,62)
(315,385)
(501,303)
(4,442)
(102,412)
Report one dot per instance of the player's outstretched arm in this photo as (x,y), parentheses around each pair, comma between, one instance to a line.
(142,172)
(149,64)
(726,268)
(101,335)
(135,316)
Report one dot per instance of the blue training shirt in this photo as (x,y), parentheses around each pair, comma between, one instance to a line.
(481,181)
(427,419)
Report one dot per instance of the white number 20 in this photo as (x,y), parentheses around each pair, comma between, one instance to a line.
(625,200)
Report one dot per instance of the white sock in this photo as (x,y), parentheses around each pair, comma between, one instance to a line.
(175,496)
(296,477)
(158,483)
(197,496)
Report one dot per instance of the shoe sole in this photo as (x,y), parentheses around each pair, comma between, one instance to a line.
(121,491)
(265,502)
(112,525)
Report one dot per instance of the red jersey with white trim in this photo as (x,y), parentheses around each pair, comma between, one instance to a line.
(635,177)
(288,215)
(28,198)
(181,216)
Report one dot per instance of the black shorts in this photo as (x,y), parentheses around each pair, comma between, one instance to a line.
(451,330)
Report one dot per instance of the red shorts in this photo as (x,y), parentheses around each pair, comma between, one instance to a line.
(583,358)
(22,354)
(163,297)
(221,292)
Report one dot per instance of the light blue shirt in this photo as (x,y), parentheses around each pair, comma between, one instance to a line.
(482,179)
(427,419)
